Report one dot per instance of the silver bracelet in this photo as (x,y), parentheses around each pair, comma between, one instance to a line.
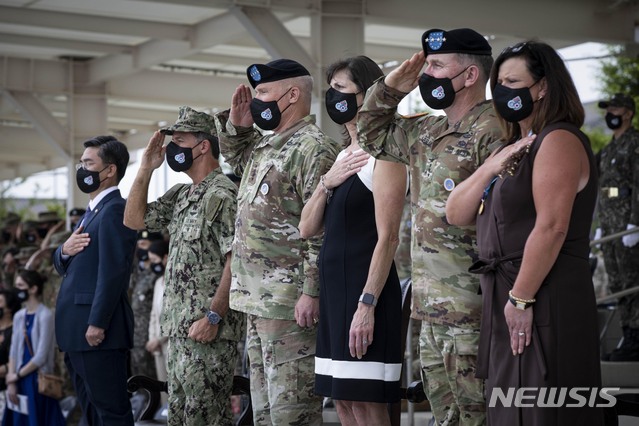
(328,192)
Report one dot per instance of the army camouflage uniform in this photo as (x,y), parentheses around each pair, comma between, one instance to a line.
(445,295)
(272,265)
(200,376)
(619,168)
(142,284)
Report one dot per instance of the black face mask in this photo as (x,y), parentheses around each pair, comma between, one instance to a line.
(513,105)
(42,232)
(22,295)
(613,121)
(267,115)
(87,180)
(438,93)
(341,107)
(157,268)
(142,254)
(180,159)
(30,238)
(1,312)
(6,236)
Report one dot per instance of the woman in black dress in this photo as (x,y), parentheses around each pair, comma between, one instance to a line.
(359,204)
(533,203)
(9,305)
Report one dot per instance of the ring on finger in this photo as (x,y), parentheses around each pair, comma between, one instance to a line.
(365,342)
(521,333)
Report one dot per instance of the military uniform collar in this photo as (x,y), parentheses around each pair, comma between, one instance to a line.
(466,123)
(277,140)
(201,187)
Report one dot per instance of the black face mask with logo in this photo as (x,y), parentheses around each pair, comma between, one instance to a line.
(438,93)
(341,107)
(87,180)
(157,268)
(180,159)
(513,105)
(267,115)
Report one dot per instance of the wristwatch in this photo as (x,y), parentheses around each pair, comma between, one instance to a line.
(368,299)
(519,304)
(213,317)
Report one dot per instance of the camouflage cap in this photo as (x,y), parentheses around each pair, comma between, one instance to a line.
(46,217)
(619,100)
(192,121)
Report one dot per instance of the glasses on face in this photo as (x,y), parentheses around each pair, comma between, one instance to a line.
(84,166)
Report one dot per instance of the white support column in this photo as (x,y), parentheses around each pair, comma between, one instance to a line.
(337,33)
(87,112)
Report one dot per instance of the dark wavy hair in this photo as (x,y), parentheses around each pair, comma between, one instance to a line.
(363,72)
(561,102)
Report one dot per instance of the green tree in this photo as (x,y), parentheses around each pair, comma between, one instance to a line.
(619,73)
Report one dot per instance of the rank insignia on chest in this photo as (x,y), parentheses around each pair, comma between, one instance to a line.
(264,189)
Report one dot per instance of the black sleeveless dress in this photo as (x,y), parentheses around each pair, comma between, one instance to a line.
(349,239)
(564,352)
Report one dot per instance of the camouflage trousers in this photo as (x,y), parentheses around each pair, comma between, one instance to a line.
(448,358)
(282,364)
(622,267)
(200,379)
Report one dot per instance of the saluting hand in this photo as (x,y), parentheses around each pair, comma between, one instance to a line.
(240,114)
(76,242)
(406,76)
(153,155)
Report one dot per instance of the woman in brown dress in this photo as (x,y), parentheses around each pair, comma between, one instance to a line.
(532,203)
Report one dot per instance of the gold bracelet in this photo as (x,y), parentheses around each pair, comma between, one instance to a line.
(517,299)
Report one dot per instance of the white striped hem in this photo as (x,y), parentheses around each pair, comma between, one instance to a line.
(358,369)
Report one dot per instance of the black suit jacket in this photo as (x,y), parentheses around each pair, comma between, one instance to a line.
(95,282)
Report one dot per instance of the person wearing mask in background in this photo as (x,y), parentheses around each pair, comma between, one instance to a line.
(157,344)
(141,288)
(32,351)
(202,330)
(618,211)
(94,320)
(441,151)
(358,205)
(275,274)
(533,203)
(9,305)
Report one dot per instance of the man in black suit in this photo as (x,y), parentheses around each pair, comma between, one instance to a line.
(94,320)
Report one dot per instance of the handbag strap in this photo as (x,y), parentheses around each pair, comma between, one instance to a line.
(26,337)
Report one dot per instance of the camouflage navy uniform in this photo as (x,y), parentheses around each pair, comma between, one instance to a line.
(201,227)
(618,207)
(142,285)
(445,295)
(272,265)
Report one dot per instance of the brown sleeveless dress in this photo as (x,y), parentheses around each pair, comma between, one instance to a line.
(564,352)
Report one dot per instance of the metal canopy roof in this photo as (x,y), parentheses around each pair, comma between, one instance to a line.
(144,58)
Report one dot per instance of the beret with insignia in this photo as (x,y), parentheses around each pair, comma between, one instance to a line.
(462,40)
(280,69)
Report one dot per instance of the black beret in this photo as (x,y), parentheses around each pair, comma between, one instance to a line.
(462,40)
(279,69)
